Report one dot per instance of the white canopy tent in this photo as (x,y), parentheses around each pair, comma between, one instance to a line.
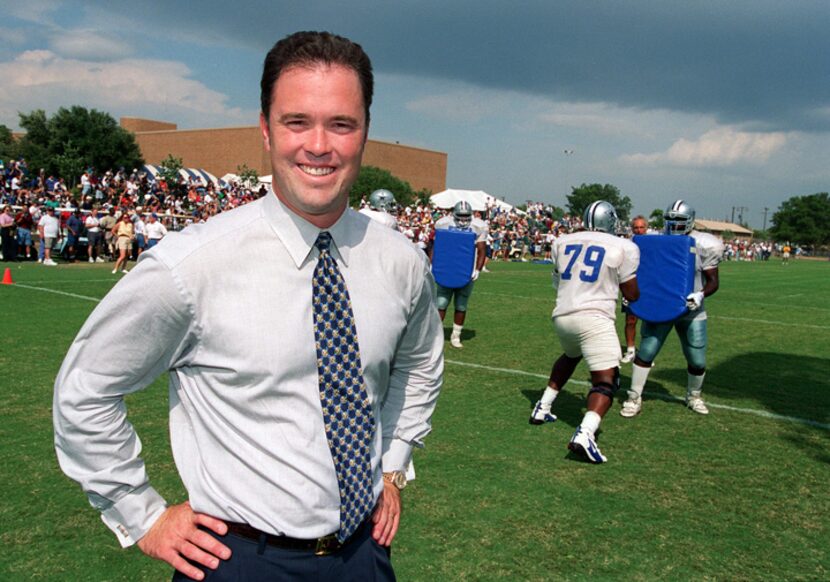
(478,199)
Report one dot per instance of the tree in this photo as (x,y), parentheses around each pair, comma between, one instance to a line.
(803,219)
(70,163)
(372,178)
(247,176)
(655,219)
(8,145)
(93,135)
(34,145)
(582,196)
(169,171)
(727,235)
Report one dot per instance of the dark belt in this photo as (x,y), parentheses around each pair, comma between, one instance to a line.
(320,546)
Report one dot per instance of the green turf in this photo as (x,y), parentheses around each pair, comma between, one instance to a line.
(731,496)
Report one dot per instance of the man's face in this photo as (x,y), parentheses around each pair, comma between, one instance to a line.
(315,135)
(638,227)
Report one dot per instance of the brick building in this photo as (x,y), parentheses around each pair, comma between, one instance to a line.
(222,150)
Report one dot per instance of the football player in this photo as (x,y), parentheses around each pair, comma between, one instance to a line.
(461,219)
(591,268)
(381,205)
(691,327)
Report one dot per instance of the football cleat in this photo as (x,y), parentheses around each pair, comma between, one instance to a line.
(456,342)
(541,414)
(584,445)
(631,407)
(696,404)
(628,357)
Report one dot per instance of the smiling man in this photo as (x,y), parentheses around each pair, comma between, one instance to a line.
(304,353)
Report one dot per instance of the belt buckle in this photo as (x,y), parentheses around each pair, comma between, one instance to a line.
(326,545)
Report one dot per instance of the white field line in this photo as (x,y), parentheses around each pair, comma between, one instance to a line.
(747,319)
(55,291)
(49,281)
(761,413)
(666,397)
(751,320)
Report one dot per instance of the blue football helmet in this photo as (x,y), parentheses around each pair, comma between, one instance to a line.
(679,218)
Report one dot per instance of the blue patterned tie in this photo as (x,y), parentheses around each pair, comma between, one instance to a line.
(347,414)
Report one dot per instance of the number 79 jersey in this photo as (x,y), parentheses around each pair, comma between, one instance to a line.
(589,267)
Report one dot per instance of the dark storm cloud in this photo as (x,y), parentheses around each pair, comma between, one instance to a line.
(760,63)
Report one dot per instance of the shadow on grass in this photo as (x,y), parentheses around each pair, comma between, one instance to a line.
(783,384)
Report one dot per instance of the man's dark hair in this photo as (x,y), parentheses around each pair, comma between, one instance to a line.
(310,48)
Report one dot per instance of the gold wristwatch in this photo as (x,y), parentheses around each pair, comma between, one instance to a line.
(396,478)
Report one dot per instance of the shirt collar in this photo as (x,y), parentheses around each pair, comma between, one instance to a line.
(298,235)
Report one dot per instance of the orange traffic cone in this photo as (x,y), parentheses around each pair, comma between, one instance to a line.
(7,277)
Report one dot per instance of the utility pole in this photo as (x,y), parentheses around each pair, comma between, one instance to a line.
(765,218)
(741,210)
(733,215)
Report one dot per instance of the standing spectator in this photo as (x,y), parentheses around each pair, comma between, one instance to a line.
(86,186)
(25,222)
(48,228)
(74,228)
(7,234)
(107,222)
(140,232)
(93,235)
(123,233)
(155,231)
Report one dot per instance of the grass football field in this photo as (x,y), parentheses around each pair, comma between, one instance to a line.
(742,494)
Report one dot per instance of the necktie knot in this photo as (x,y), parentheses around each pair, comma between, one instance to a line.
(323,241)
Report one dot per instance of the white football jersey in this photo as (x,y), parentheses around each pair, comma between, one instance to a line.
(589,267)
(382,217)
(708,253)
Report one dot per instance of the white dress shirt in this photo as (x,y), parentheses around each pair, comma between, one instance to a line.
(226,307)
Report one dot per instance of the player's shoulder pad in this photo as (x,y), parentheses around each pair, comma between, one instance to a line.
(707,243)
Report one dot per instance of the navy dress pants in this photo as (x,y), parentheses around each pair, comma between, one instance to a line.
(362,560)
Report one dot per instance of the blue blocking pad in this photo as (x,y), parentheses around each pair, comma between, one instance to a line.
(666,276)
(453,254)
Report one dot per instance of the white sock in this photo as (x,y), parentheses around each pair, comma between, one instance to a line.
(694,384)
(456,329)
(590,422)
(548,396)
(639,374)
(630,350)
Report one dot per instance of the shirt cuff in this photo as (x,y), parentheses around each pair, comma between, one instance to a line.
(396,455)
(133,515)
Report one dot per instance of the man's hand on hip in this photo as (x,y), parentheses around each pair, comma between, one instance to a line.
(387,515)
(176,536)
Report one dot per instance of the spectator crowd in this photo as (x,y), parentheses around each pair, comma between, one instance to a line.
(41,215)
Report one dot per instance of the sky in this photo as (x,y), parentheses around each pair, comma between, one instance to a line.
(724,104)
